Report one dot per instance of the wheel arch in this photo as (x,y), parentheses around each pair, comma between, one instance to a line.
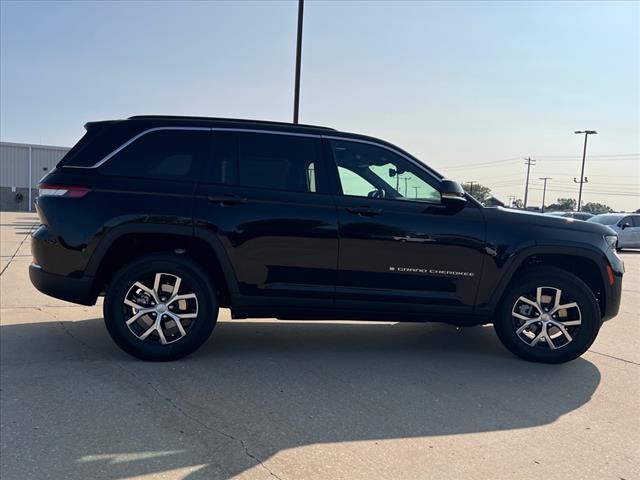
(124,244)
(587,264)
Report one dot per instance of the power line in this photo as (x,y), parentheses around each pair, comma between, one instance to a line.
(557,158)
(608,160)
(506,160)
(577,157)
(597,190)
(591,192)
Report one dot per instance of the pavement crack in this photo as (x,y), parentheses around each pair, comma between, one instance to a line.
(64,327)
(172,403)
(18,249)
(615,358)
(45,306)
(204,425)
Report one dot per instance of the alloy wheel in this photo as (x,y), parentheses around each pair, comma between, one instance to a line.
(160,309)
(546,318)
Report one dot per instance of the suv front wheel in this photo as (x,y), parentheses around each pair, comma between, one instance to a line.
(549,316)
(160,307)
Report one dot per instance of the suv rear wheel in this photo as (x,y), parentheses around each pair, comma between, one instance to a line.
(160,307)
(549,316)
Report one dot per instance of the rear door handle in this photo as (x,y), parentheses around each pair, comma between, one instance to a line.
(365,211)
(228,199)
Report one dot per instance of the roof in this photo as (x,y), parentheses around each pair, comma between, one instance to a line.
(218,120)
(138,123)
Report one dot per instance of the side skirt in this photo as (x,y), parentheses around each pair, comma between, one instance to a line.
(297,313)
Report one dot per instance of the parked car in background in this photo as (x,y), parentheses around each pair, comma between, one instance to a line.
(577,215)
(626,225)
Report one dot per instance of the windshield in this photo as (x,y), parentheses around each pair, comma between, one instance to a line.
(606,219)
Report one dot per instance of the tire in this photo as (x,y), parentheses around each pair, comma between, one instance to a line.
(581,323)
(163,330)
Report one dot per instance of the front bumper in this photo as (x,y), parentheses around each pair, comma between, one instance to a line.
(76,290)
(613,292)
(614,295)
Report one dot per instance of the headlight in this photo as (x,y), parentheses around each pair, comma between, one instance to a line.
(612,241)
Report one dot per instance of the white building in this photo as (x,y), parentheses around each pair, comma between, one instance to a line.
(21,168)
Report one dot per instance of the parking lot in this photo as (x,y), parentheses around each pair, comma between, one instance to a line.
(290,400)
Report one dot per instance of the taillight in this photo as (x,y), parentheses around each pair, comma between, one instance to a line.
(45,190)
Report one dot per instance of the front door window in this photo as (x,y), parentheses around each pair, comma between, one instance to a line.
(375,172)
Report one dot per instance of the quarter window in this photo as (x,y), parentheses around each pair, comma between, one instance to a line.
(163,154)
(370,171)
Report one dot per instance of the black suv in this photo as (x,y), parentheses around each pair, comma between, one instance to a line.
(171,218)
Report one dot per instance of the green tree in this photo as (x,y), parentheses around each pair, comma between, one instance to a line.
(596,208)
(477,191)
(563,204)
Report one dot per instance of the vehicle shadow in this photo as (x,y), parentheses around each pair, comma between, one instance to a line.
(259,388)
(21,227)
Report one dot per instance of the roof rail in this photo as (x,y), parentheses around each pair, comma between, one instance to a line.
(239,120)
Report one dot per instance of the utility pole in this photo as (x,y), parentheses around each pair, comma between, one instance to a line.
(471,187)
(296,94)
(544,190)
(416,189)
(528,162)
(406,188)
(584,155)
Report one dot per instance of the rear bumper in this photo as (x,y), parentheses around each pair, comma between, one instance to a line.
(76,290)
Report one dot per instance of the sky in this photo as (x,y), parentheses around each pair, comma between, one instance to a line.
(469,88)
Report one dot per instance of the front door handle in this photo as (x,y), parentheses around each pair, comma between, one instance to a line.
(228,199)
(365,211)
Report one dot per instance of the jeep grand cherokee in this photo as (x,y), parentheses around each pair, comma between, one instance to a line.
(171,218)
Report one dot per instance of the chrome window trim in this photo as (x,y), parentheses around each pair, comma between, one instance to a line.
(253,130)
(417,163)
(133,139)
(271,132)
(210,129)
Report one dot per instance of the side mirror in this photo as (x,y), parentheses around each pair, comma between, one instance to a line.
(452,194)
(625,225)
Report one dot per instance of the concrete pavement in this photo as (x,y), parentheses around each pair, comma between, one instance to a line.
(313,400)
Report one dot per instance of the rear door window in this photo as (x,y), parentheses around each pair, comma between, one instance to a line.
(162,154)
(278,161)
(222,167)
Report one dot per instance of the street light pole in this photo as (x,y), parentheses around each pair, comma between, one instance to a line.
(544,190)
(584,155)
(296,95)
